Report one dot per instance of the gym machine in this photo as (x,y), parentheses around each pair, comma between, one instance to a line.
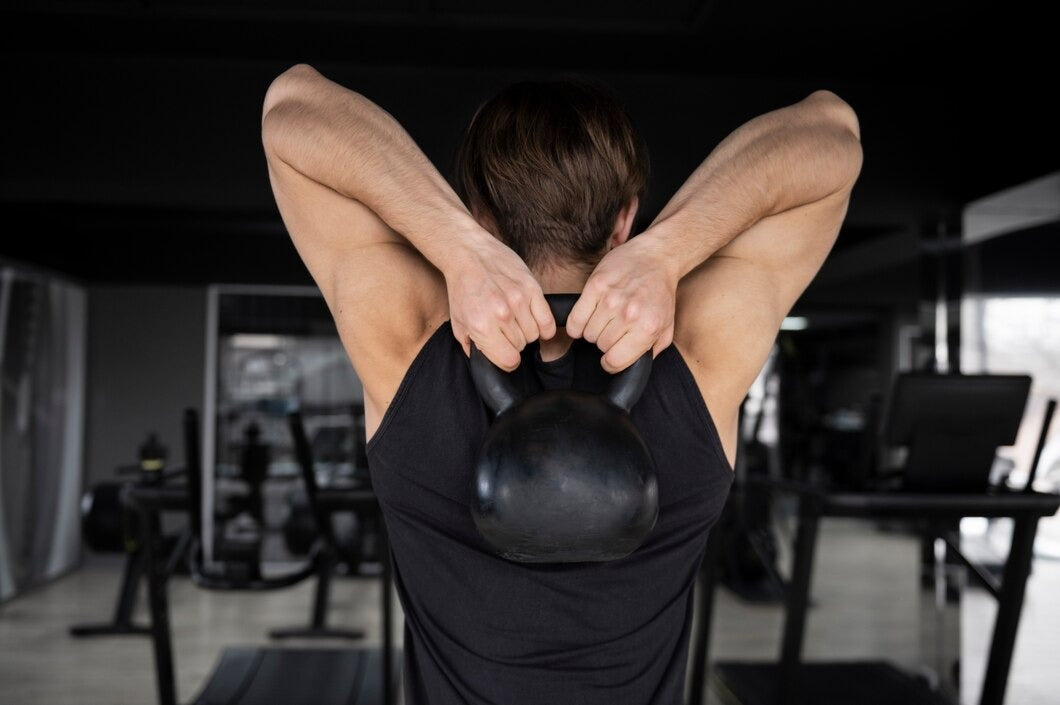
(258,676)
(107,526)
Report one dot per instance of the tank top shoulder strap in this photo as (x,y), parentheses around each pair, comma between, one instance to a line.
(439,351)
(675,393)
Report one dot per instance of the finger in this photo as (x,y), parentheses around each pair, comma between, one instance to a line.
(527,324)
(516,340)
(599,320)
(625,352)
(581,313)
(546,322)
(664,341)
(610,335)
(514,333)
(500,351)
(500,335)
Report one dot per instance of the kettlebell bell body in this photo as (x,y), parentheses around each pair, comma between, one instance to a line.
(563,475)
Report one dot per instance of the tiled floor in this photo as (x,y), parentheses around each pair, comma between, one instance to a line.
(866,605)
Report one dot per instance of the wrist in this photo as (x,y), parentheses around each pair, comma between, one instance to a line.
(663,245)
(463,248)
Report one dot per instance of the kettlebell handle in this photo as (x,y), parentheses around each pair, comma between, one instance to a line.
(498,390)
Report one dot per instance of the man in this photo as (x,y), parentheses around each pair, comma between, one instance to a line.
(552,175)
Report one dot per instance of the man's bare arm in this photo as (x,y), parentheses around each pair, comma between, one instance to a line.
(342,141)
(775,164)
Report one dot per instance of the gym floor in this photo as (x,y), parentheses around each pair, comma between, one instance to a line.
(867,605)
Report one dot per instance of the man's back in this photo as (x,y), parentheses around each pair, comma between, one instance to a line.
(480,629)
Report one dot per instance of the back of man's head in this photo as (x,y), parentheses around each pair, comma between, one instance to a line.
(549,165)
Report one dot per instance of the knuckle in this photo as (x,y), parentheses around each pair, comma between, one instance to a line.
(503,313)
(476,324)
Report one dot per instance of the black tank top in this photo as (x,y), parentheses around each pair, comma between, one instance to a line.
(481,630)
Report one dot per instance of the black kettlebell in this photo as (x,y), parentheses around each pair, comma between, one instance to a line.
(563,475)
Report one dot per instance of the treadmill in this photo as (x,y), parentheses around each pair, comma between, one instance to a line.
(263,675)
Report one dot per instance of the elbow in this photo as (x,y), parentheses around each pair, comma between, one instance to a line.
(836,110)
(855,158)
(286,86)
(844,121)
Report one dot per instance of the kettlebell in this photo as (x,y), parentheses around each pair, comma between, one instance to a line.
(563,475)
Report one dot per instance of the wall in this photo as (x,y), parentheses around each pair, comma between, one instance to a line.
(146,355)
(185,133)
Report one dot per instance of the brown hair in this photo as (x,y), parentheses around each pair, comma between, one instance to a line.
(551,164)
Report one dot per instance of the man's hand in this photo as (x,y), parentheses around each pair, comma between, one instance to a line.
(495,302)
(627,305)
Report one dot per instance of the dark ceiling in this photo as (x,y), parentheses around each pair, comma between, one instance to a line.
(131,146)
(696,36)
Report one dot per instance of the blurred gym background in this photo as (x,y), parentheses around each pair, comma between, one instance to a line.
(144,271)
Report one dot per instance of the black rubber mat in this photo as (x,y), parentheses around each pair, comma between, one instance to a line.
(843,683)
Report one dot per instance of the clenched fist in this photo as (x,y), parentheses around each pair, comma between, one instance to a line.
(628,303)
(495,302)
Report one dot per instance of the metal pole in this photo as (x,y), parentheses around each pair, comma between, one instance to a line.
(798,600)
(1009,605)
(157,599)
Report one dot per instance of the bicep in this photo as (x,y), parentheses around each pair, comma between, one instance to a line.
(730,308)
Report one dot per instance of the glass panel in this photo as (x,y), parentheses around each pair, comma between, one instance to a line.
(41,405)
(1021,334)
(278,353)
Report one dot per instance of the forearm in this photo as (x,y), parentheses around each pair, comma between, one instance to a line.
(778,161)
(346,142)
